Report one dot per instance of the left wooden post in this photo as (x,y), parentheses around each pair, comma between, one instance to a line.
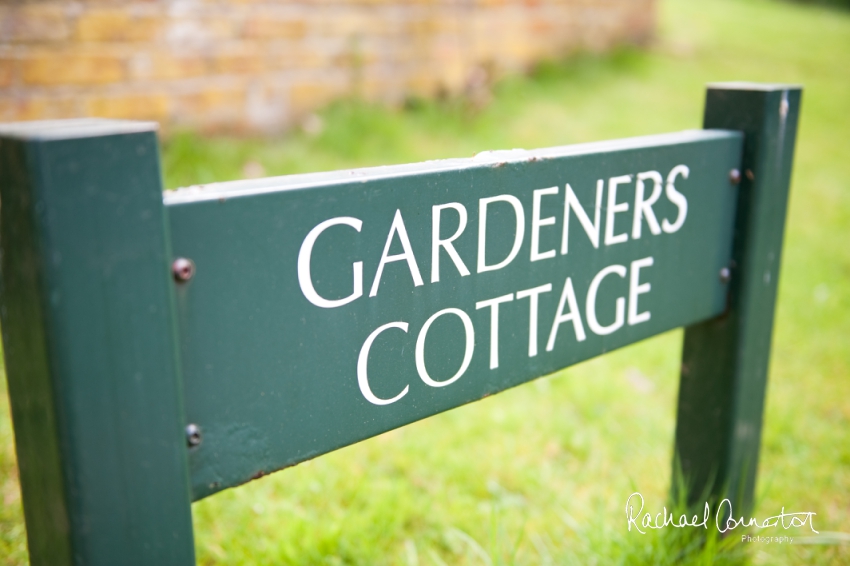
(89,339)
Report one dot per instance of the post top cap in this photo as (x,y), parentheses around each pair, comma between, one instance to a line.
(744,85)
(44,130)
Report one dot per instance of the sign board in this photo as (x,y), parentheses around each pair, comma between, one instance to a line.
(160,349)
(346,304)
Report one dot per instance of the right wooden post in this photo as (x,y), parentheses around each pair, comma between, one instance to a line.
(725,360)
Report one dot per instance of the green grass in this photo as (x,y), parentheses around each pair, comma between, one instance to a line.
(540,474)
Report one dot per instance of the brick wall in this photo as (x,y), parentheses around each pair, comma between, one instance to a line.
(260,64)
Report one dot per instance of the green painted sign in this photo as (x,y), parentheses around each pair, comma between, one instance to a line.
(161,349)
(343,305)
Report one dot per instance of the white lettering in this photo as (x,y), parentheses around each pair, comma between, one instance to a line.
(494,324)
(407,255)
(571,202)
(676,198)
(363,360)
(643,208)
(305,254)
(437,242)
(636,289)
(613,208)
(469,330)
(537,223)
(533,295)
(592,322)
(568,296)
(482,231)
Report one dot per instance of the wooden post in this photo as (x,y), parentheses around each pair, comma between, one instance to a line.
(89,341)
(725,360)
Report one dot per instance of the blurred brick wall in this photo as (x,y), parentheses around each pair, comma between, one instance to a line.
(260,64)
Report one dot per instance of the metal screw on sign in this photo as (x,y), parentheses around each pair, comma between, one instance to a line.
(183,269)
(193,435)
(725,275)
(734,176)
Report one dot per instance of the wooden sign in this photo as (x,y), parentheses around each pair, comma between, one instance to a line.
(161,349)
(343,305)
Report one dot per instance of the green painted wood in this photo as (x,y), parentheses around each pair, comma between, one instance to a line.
(31,391)
(725,360)
(88,335)
(275,341)
(272,377)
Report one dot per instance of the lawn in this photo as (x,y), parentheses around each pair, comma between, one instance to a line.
(540,474)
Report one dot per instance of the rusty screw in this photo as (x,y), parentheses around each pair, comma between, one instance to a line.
(193,435)
(734,176)
(183,269)
(725,275)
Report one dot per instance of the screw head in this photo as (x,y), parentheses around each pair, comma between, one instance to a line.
(183,269)
(734,176)
(725,275)
(193,435)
